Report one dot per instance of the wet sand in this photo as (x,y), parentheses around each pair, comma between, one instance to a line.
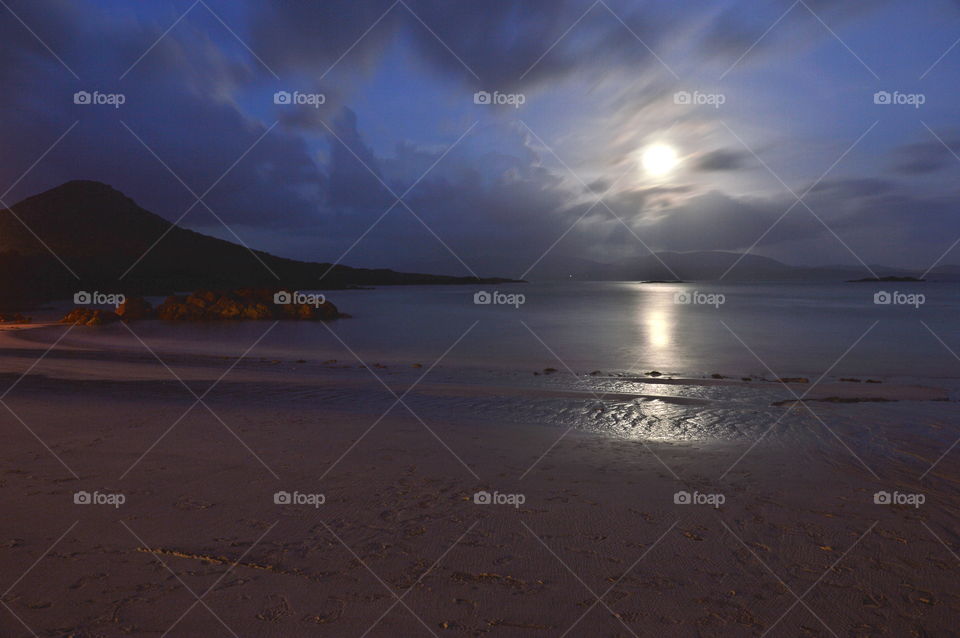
(400,548)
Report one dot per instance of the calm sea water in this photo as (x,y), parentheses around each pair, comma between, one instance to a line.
(493,350)
(792,329)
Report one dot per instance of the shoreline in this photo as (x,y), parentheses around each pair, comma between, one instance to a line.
(97,340)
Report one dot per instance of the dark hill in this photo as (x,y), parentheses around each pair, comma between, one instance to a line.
(100,233)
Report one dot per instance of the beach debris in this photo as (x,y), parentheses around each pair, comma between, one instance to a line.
(596,373)
(654,373)
(794,380)
(549,370)
(874,381)
(849,380)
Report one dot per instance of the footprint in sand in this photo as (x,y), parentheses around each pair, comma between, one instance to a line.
(278,607)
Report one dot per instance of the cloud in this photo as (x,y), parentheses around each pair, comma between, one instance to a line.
(842,189)
(356,180)
(925,157)
(721,160)
(178,101)
(490,45)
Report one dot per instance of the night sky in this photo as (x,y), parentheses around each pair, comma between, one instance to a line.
(785,96)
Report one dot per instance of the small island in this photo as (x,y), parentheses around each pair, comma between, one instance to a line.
(889,278)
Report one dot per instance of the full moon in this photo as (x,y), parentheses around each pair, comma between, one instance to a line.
(659,159)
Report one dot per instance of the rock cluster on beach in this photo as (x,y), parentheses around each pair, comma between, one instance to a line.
(89,317)
(245,303)
(208,305)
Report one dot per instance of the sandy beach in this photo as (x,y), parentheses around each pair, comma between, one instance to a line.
(585,535)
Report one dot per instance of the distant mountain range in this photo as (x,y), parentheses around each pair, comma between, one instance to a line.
(711,266)
(99,234)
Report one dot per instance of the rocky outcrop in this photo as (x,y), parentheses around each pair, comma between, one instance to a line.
(244,303)
(15,317)
(210,305)
(89,317)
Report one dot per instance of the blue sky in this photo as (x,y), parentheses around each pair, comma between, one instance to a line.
(493,188)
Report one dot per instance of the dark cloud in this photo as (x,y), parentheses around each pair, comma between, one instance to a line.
(356,180)
(178,101)
(309,36)
(853,188)
(744,35)
(721,160)
(598,185)
(925,157)
(490,45)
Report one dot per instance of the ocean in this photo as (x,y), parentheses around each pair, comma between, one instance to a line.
(736,330)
